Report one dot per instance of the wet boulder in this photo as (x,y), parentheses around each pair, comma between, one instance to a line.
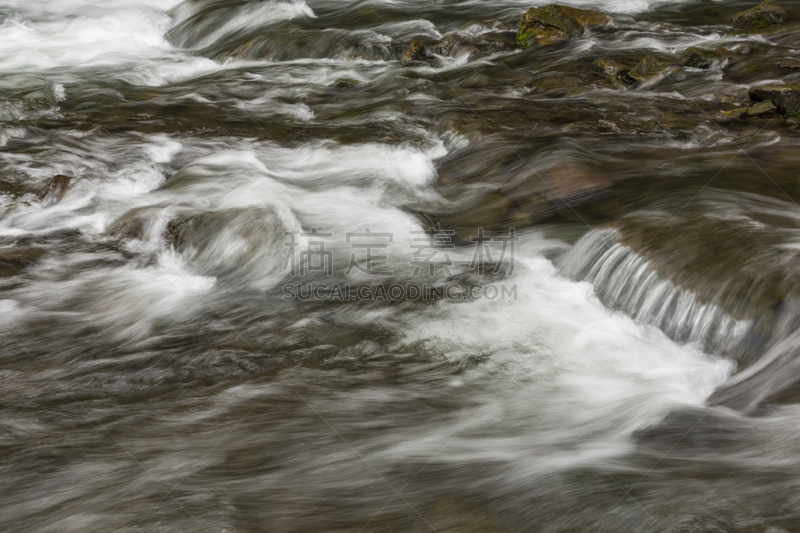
(555,22)
(760,17)
(417,51)
(613,71)
(786,97)
(697,58)
(138,223)
(240,239)
(651,68)
(55,189)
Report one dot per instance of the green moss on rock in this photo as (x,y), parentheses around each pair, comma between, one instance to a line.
(786,97)
(555,22)
(697,58)
(649,68)
(760,17)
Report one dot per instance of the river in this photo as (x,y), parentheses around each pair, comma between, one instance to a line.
(305,277)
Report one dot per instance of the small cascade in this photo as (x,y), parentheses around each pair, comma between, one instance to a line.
(626,281)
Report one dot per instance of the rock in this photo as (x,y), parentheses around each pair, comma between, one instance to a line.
(613,71)
(608,126)
(344,83)
(135,224)
(650,68)
(721,51)
(416,52)
(456,44)
(762,109)
(760,17)
(555,22)
(732,114)
(697,58)
(242,239)
(55,189)
(786,97)
(746,50)
(15,259)
(790,64)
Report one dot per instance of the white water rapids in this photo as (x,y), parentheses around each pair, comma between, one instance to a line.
(145,387)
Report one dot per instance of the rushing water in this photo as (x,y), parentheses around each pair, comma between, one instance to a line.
(634,369)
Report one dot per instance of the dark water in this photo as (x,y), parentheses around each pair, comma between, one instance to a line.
(629,364)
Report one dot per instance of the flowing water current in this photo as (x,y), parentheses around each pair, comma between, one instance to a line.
(173,358)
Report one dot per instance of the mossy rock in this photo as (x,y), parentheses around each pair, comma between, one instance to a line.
(697,58)
(786,97)
(762,109)
(651,67)
(760,17)
(555,22)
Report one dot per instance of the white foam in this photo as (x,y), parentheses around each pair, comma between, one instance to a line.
(562,363)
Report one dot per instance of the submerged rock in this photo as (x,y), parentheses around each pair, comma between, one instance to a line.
(242,239)
(697,58)
(570,184)
(555,22)
(135,224)
(14,260)
(55,189)
(786,97)
(650,68)
(760,17)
